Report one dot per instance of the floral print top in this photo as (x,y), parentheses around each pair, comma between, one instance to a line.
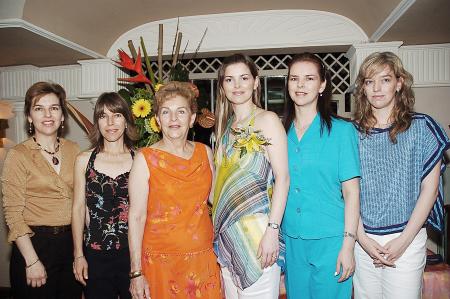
(107,201)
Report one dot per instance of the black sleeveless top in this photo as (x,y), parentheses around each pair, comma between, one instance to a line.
(107,201)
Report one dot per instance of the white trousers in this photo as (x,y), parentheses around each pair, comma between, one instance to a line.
(402,282)
(266,287)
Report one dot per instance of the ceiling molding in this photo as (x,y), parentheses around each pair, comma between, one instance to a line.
(247,30)
(19,23)
(393,17)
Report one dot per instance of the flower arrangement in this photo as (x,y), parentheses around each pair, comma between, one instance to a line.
(248,140)
(140,89)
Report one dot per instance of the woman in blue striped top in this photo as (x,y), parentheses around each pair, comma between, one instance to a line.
(401,156)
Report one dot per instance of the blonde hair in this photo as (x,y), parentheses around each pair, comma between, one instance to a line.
(173,89)
(401,114)
(223,108)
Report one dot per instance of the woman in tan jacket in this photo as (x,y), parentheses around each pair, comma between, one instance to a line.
(37,184)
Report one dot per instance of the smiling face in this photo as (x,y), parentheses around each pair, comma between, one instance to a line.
(239,83)
(111,125)
(46,115)
(175,118)
(381,87)
(304,83)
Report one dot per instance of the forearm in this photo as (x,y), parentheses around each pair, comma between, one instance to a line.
(78,222)
(136,224)
(427,197)
(279,196)
(26,249)
(351,218)
(419,215)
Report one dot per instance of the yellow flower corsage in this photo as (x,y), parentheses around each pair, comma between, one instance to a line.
(248,141)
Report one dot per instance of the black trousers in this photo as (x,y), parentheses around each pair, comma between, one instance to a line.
(56,254)
(108,274)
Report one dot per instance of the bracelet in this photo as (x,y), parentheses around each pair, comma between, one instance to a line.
(347,234)
(26,267)
(135,274)
(78,257)
(273,225)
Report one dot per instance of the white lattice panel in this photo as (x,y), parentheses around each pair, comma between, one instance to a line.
(337,63)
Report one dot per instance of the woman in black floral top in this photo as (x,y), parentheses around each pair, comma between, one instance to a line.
(101,187)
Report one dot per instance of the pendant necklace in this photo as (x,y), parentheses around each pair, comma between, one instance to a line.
(55,160)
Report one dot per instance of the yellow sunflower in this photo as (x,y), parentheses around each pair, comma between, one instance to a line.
(141,108)
(154,125)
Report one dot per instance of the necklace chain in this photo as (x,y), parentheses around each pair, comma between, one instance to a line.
(55,160)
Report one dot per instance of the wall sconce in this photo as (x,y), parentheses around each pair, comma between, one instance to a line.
(5,114)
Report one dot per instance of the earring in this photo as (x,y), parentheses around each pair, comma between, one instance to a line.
(320,94)
(30,127)
(62,125)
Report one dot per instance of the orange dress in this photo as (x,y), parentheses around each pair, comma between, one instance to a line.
(177,255)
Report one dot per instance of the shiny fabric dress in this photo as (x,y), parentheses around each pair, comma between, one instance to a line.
(177,255)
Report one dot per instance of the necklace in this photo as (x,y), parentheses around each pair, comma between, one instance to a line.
(55,160)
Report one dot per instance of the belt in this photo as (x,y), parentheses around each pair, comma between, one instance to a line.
(54,230)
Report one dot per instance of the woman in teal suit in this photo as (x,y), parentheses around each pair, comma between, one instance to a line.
(322,211)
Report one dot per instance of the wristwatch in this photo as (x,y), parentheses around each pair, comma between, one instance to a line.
(273,225)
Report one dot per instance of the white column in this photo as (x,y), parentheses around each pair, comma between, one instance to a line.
(97,76)
(358,52)
(18,124)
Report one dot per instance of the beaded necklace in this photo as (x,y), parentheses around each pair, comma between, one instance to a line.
(55,160)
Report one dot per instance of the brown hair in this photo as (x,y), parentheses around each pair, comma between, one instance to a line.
(116,104)
(40,89)
(223,108)
(401,114)
(175,88)
(324,100)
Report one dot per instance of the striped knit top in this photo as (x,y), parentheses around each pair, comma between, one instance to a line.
(391,174)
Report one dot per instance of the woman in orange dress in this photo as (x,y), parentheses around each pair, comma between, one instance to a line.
(170,231)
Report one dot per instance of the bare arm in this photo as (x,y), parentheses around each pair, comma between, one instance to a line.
(277,153)
(211,165)
(138,191)
(350,192)
(427,197)
(79,217)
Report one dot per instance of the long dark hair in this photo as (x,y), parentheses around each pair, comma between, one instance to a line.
(324,101)
(116,104)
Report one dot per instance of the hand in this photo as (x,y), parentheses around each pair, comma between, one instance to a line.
(269,248)
(375,251)
(346,261)
(396,247)
(80,269)
(139,288)
(36,275)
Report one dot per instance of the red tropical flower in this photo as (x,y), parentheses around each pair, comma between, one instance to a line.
(127,63)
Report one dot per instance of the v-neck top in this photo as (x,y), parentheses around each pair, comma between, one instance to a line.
(33,192)
(107,201)
(318,164)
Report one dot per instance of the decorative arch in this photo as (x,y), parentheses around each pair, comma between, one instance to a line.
(248,30)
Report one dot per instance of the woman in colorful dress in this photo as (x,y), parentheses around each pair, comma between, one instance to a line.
(37,183)
(251,184)
(170,229)
(102,261)
(401,156)
(322,210)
